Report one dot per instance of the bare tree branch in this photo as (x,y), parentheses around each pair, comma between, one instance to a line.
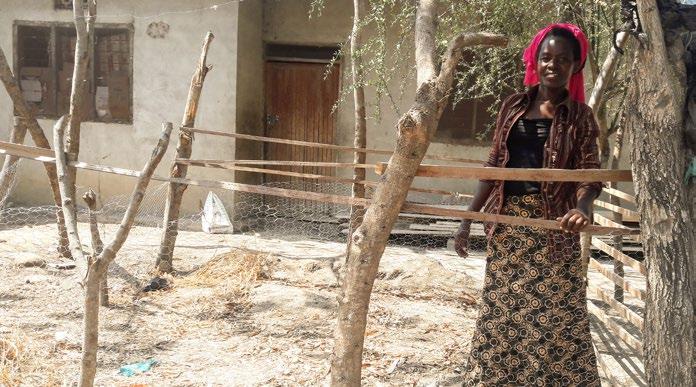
(85,15)
(425,31)
(24,113)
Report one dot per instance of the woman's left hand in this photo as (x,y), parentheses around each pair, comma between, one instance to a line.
(574,221)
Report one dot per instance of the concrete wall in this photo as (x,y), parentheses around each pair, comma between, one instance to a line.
(162,70)
(250,90)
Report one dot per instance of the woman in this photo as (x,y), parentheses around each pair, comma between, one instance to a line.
(533,327)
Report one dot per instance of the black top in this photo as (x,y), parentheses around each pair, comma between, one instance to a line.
(525,145)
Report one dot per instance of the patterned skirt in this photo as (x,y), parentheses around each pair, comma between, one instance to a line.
(533,327)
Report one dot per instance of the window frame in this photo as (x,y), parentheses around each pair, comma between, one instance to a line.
(469,140)
(53,65)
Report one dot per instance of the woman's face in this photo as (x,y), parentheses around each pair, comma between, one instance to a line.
(556,63)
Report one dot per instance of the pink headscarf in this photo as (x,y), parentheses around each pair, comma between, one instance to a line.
(577,83)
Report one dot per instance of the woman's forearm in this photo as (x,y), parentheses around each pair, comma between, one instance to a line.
(483,191)
(585,200)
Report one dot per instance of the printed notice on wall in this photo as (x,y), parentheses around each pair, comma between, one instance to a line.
(101,100)
(31,89)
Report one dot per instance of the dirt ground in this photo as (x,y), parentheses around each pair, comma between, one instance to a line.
(241,310)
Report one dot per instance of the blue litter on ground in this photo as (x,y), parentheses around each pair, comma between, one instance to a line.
(137,368)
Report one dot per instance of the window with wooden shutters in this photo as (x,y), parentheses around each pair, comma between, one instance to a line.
(468,121)
(62,4)
(45,61)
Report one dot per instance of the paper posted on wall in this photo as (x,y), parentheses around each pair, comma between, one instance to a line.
(215,219)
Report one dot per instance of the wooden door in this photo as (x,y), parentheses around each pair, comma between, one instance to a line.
(299,102)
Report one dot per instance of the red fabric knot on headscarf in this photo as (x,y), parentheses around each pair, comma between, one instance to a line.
(576,88)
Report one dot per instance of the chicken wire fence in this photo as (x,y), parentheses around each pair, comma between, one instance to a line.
(519,254)
(253,215)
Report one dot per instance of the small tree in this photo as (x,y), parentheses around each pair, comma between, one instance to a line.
(96,265)
(415,130)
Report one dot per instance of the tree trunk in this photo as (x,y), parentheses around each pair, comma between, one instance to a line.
(90,198)
(90,333)
(175,191)
(96,266)
(9,172)
(659,155)
(32,125)
(360,136)
(85,18)
(415,130)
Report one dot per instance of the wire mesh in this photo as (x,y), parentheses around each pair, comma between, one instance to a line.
(534,290)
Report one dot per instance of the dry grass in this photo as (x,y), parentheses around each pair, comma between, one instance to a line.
(231,276)
(21,362)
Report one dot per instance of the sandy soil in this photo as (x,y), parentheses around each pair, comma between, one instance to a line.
(227,329)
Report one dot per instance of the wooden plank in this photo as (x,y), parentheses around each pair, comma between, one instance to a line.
(339,199)
(618,255)
(604,221)
(630,215)
(620,195)
(330,178)
(618,330)
(284,163)
(608,371)
(323,145)
(618,307)
(27,151)
(517,174)
(635,292)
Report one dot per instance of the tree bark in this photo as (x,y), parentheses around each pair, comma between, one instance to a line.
(24,113)
(360,135)
(90,198)
(85,15)
(415,130)
(97,265)
(657,131)
(175,191)
(9,172)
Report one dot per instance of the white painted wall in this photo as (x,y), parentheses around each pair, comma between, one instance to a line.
(162,70)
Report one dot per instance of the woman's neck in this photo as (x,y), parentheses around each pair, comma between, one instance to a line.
(551,95)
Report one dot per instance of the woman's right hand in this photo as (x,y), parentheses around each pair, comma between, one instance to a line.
(461,238)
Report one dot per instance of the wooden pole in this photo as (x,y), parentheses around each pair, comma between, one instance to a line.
(175,192)
(617,217)
(360,129)
(9,172)
(85,15)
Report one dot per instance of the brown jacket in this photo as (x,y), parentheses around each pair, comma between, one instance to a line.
(572,144)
